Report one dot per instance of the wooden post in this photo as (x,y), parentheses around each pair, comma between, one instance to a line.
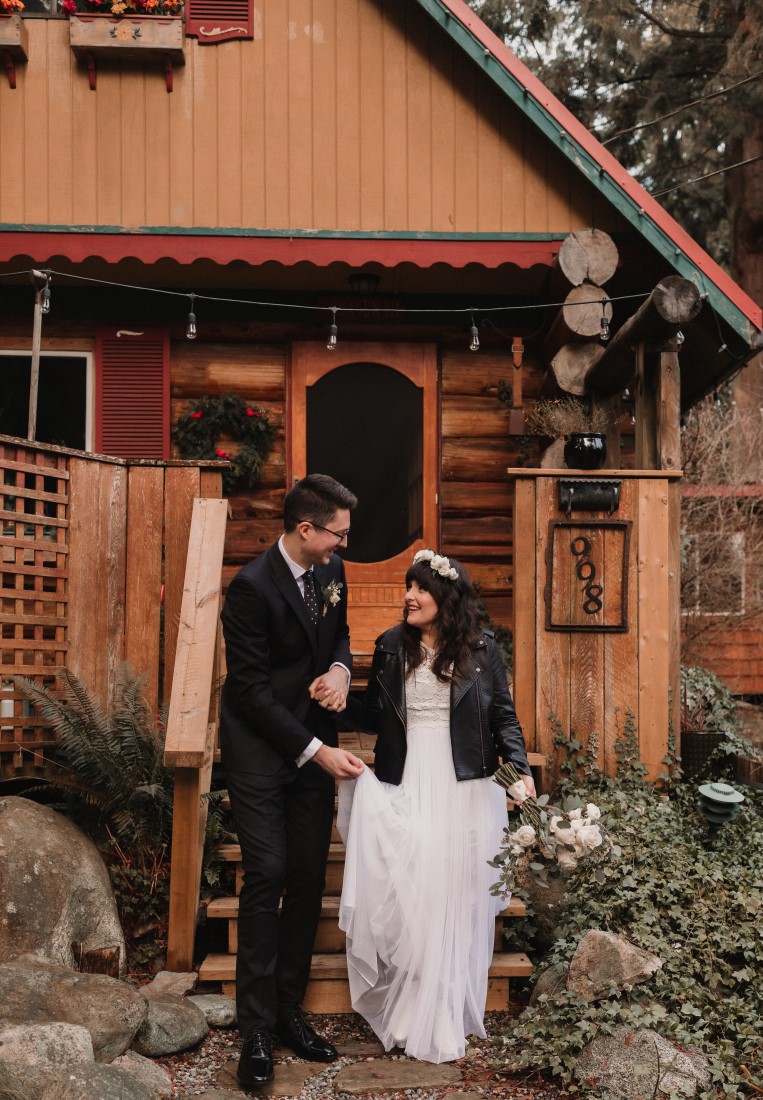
(647,368)
(669,449)
(673,302)
(190,734)
(34,376)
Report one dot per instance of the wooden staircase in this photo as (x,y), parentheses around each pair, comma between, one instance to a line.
(328,989)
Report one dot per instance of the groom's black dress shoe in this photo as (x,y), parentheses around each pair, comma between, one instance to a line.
(255,1066)
(294,1030)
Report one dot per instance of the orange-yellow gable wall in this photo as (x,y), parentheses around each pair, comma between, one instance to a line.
(340,114)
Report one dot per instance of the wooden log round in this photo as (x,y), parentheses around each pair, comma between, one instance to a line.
(572,363)
(578,319)
(673,303)
(587,255)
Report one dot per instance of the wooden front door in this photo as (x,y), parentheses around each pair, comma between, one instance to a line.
(367,415)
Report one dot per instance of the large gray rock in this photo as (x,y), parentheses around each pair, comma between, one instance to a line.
(13,1086)
(639,1065)
(172,1024)
(168,981)
(549,981)
(149,1074)
(219,1010)
(94,1083)
(112,1011)
(54,887)
(604,961)
(38,1051)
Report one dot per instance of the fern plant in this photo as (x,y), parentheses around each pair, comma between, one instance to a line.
(111,762)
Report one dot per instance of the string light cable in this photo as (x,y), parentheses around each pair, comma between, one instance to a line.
(707,175)
(469,311)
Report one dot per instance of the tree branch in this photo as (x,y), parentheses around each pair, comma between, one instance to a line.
(678,32)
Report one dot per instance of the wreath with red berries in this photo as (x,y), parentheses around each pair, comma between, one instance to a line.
(196,433)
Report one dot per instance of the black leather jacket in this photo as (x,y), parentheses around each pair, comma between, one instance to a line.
(483,723)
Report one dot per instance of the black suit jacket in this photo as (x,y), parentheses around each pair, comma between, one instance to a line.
(273,653)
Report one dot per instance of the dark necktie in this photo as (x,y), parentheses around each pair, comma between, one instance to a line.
(311,600)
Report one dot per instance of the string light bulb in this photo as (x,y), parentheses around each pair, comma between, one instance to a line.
(474,337)
(190,330)
(45,298)
(604,334)
(333,332)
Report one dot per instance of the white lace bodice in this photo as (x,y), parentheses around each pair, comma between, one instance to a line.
(427,699)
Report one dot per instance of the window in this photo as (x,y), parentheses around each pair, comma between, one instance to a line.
(65,397)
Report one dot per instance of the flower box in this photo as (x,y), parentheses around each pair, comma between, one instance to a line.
(14,39)
(127,37)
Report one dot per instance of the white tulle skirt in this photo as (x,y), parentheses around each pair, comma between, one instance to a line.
(416,903)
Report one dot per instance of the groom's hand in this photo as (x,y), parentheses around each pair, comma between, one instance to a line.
(330,689)
(339,762)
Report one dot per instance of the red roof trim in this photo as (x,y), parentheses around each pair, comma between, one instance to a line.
(44,248)
(611,166)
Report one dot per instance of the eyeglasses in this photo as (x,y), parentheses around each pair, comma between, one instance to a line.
(340,536)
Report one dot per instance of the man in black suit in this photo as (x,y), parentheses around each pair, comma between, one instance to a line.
(288,660)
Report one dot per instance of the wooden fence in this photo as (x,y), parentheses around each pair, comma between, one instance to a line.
(93,562)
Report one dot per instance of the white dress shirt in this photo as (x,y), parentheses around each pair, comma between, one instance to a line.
(297,572)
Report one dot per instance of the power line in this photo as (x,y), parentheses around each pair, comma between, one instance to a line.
(683,107)
(707,175)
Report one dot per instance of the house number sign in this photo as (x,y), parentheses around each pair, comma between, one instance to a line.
(587,576)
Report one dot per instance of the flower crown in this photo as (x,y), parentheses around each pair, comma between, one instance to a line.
(438,563)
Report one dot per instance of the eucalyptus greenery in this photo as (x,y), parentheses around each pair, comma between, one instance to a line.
(663,882)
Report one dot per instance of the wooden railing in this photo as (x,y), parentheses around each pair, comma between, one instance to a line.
(192,722)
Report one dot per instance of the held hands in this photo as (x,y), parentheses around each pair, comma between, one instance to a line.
(330,689)
(339,762)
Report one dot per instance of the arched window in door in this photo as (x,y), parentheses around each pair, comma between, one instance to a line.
(364,427)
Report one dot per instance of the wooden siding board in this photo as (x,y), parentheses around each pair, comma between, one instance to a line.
(512,168)
(181,145)
(371,100)
(230,146)
(110,179)
(324,136)
(253,127)
(97,562)
(145,523)
(489,161)
(303,169)
(132,137)
(552,670)
(61,76)
(36,131)
(276,122)
(180,487)
(465,139)
(350,87)
(524,609)
(420,121)
(208,163)
(396,165)
(654,624)
(255,372)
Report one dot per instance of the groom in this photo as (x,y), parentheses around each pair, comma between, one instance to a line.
(288,660)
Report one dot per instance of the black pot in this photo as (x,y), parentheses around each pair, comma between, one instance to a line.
(585,451)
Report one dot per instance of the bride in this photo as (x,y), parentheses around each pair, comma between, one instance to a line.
(416,905)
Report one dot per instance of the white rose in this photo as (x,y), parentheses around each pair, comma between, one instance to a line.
(437,562)
(592,812)
(452,574)
(573,815)
(576,824)
(553,825)
(568,861)
(423,555)
(589,837)
(525,835)
(444,570)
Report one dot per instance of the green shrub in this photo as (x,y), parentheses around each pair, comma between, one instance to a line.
(664,883)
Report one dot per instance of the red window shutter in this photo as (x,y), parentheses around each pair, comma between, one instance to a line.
(214,21)
(132,393)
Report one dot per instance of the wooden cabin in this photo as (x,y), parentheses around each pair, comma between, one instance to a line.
(388,167)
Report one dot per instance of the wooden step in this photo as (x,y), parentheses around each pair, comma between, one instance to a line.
(328,989)
(329,936)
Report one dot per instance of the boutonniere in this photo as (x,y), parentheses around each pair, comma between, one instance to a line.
(330,593)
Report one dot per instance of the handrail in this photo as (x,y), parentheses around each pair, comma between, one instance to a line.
(192,721)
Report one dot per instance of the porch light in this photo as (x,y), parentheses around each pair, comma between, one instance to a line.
(605,332)
(474,342)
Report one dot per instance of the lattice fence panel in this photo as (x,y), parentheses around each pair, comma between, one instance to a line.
(33,596)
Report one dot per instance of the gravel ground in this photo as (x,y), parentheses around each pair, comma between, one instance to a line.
(201,1071)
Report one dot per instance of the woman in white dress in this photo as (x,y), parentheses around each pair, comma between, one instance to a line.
(416,903)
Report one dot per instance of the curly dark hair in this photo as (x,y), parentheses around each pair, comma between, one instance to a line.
(457,622)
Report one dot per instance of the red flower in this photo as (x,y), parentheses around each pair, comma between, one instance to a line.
(223,454)
(251,412)
(196,415)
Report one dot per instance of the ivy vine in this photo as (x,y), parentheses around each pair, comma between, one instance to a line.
(198,430)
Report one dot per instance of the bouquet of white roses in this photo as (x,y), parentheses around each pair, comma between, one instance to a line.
(552,838)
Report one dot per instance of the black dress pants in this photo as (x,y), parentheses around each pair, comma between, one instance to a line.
(284,829)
